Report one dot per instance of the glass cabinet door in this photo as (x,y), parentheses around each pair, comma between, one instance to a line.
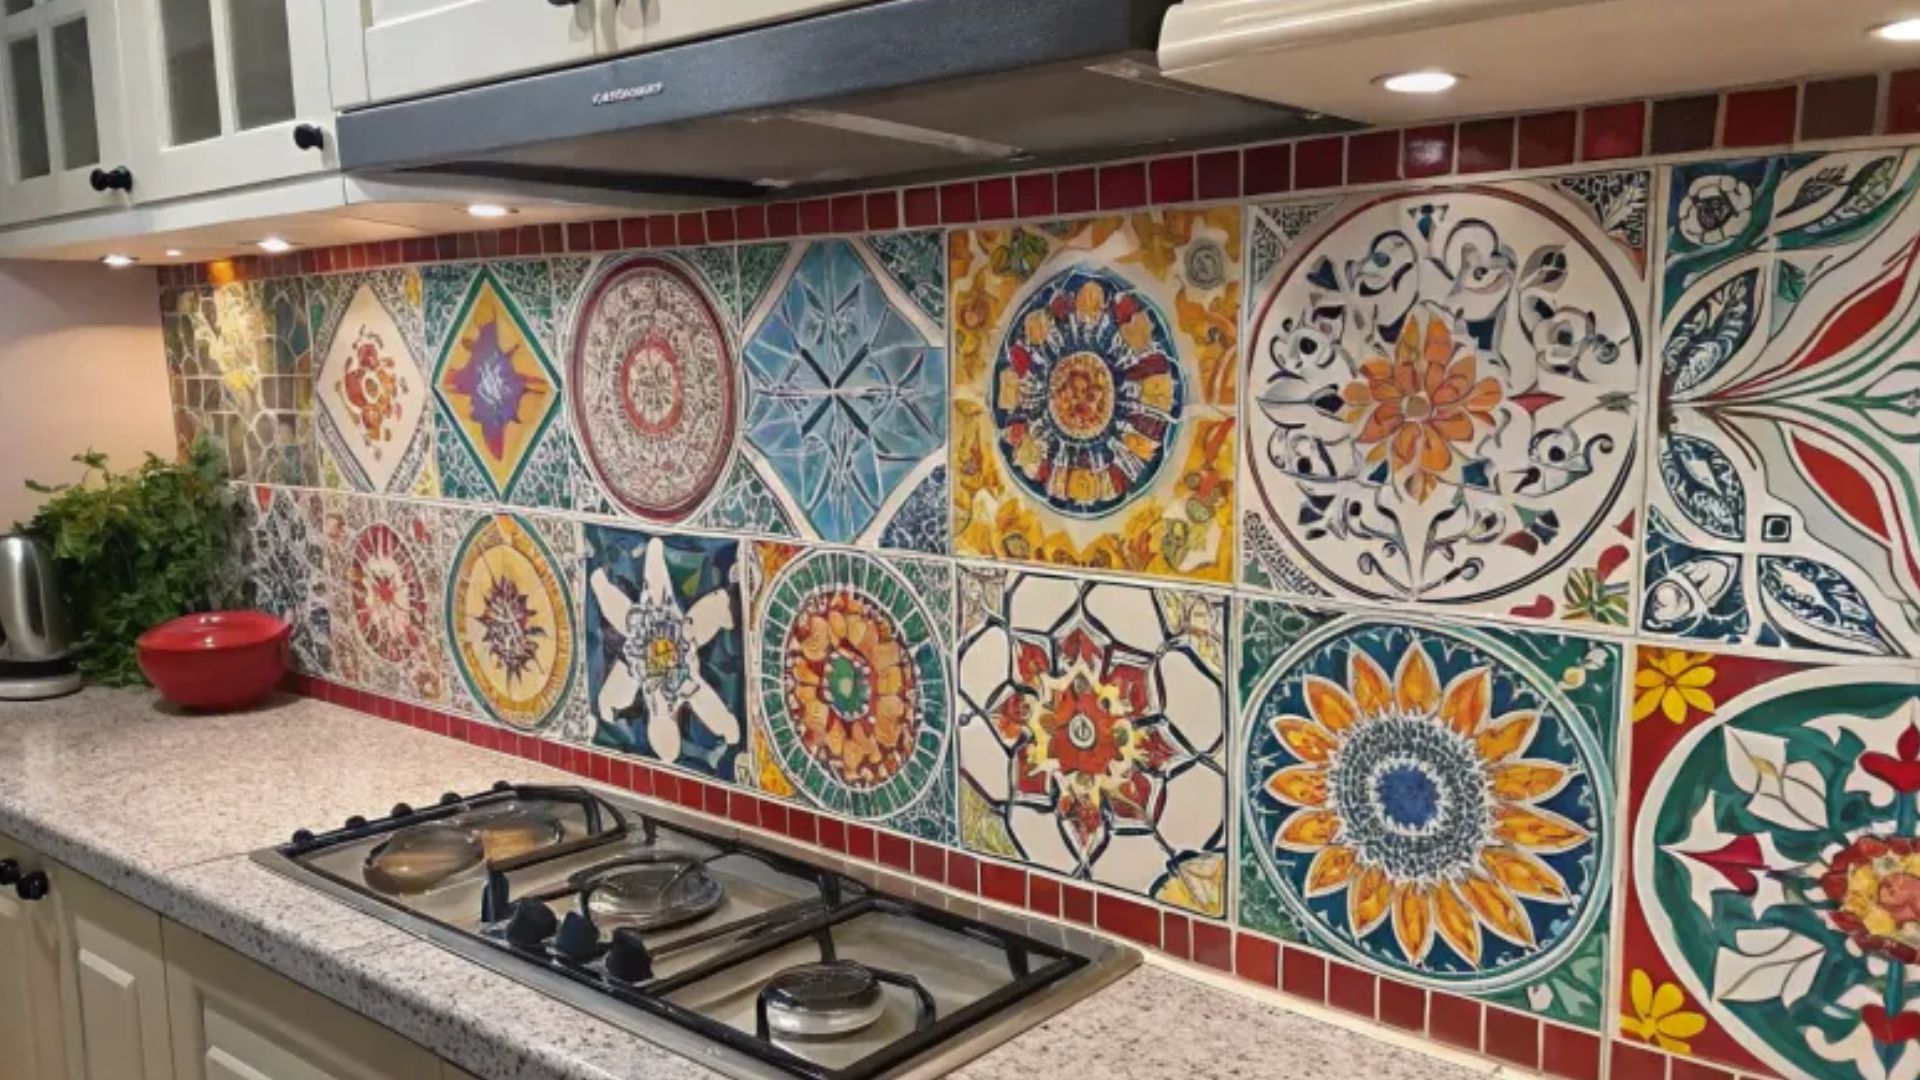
(59,107)
(222,86)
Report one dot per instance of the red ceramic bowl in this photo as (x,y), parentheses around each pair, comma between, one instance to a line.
(216,661)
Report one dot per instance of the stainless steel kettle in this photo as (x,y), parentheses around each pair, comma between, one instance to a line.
(33,617)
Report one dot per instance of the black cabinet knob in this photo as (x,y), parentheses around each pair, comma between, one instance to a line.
(563,3)
(9,872)
(118,178)
(31,887)
(309,137)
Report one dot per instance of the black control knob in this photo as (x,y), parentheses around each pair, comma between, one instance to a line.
(578,939)
(401,809)
(356,822)
(118,178)
(309,137)
(627,958)
(532,924)
(9,872)
(31,887)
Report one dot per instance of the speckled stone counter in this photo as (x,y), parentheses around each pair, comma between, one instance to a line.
(165,807)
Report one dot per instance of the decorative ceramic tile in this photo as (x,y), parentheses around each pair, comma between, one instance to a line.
(1775,865)
(851,712)
(386,567)
(1092,732)
(499,436)
(666,660)
(1444,392)
(846,371)
(1094,372)
(509,615)
(1784,499)
(286,569)
(375,407)
(243,376)
(1432,802)
(656,387)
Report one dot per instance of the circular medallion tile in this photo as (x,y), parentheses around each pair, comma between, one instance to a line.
(1427,802)
(1086,394)
(652,387)
(387,593)
(856,688)
(510,621)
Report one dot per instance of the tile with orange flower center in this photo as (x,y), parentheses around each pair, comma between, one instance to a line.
(1433,802)
(852,704)
(1444,391)
(1091,719)
(1094,387)
(1772,916)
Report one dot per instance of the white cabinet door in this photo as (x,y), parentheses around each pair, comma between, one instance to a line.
(635,24)
(233,1019)
(32,1010)
(215,89)
(417,46)
(59,107)
(117,1021)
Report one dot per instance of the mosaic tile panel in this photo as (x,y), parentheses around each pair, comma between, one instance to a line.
(852,705)
(285,559)
(1092,720)
(1784,497)
(846,374)
(386,565)
(374,399)
(499,435)
(1445,393)
(509,614)
(1770,924)
(666,656)
(1430,801)
(243,376)
(1094,386)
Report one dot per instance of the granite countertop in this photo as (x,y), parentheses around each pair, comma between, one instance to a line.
(165,808)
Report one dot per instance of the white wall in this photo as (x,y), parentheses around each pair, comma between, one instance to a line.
(81,365)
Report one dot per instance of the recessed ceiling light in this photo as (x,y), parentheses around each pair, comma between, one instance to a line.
(273,245)
(489,210)
(1904,30)
(117,260)
(174,253)
(1419,82)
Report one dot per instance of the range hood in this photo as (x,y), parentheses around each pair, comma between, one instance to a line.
(890,92)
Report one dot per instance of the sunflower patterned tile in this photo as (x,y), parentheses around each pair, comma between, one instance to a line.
(851,712)
(1784,496)
(1092,721)
(1432,802)
(666,658)
(846,373)
(499,436)
(1443,397)
(374,405)
(243,377)
(386,571)
(1094,372)
(285,559)
(1772,917)
(511,628)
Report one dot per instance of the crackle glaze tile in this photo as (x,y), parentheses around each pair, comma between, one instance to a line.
(283,552)
(1444,392)
(374,398)
(243,376)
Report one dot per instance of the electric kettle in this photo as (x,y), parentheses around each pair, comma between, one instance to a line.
(35,645)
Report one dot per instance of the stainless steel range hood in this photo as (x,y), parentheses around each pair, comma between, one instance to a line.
(888,92)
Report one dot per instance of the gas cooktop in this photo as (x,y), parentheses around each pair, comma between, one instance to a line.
(756,959)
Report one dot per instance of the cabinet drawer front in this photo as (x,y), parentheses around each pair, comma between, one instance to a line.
(416,46)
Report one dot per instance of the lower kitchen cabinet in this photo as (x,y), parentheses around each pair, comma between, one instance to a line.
(94,986)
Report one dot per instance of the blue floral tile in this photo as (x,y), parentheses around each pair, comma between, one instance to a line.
(666,659)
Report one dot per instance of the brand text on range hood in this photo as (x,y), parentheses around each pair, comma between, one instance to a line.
(878,92)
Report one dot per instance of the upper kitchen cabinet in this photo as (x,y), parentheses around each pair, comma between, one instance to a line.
(649,24)
(223,93)
(59,108)
(414,46)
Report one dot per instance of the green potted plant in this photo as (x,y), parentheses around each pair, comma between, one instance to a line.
(137,548)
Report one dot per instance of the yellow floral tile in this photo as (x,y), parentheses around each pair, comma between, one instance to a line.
(1095,367)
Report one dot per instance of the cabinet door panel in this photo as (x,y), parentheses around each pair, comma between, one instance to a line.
(417,46)
(59,107)
(119,1017)
(650,24)
(32,1019)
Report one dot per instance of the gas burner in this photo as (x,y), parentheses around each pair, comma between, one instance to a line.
(654,891)
(831,999)
(417,859)
(516,830)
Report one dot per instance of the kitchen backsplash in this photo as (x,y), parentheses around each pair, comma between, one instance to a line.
(1486,606)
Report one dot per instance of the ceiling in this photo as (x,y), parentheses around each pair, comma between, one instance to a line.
(1518,55)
